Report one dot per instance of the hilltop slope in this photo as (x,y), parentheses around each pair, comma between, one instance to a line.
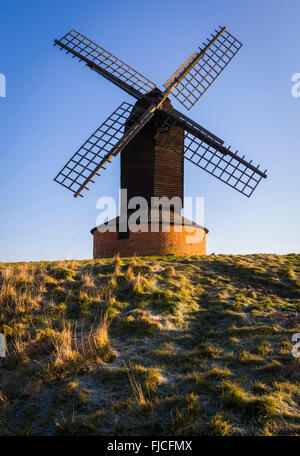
(151,346)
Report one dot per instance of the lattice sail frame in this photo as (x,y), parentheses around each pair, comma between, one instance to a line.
(94,153)
(209,154)
(218,52)
(95,54)
(226,168)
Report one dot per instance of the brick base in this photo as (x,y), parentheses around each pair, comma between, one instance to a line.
(186,242)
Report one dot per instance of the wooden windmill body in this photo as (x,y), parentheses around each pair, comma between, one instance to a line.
(159,169)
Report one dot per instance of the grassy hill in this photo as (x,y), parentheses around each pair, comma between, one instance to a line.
(151,346)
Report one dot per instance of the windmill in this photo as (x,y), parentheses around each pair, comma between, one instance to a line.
(154,138)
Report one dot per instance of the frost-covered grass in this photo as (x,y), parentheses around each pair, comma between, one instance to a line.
(157,345)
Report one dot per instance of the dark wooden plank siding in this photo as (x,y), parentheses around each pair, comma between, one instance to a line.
(137,164)
(169,166)
(154,166)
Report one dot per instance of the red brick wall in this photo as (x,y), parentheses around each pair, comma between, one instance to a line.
(107,244)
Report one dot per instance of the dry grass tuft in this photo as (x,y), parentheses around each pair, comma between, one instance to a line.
(129,274)
(87,281)
(218,426)
(139,322)
(136,386)
(20,290)
(98,341)
(170,271)
(63,343)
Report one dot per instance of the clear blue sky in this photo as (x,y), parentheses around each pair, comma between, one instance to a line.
(53,103)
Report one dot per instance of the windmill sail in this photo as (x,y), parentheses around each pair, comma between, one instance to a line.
(206,67)
(92,153)
(105,143)
(105,63)
(208,152)
(225,165)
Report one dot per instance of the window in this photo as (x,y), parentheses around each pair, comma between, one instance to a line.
(123,234)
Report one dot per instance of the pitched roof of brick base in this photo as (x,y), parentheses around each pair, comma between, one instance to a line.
(157,216)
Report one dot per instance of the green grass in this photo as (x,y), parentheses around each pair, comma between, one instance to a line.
(156,345)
